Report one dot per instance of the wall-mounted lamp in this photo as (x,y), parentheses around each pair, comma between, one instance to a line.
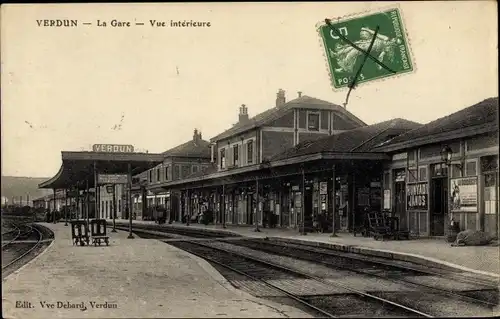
(446,155)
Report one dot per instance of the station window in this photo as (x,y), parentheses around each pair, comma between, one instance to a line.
(471,168)
(422,174)
(412,175)
(176,172)
(158,174)
(119,205)
(439,169)
(313,121)
(235,155)
(250,152)
(223,158)
(455,170)
(166,173)
(186,171)
(195,168)
(150,176)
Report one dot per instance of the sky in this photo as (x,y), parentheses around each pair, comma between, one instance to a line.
(66,88)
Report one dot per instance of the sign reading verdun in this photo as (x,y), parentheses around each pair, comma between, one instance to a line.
(113,148)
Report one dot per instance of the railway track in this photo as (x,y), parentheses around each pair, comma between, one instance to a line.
(322,297)
(26,244)
(313,294)
(391,264)
(10,236)
(418,298)
(427,282)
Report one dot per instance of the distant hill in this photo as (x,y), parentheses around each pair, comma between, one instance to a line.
(14,187)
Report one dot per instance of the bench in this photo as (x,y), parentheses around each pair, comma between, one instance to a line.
(79,232)
(98,227)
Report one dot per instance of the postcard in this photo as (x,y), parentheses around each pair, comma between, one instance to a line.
(246,160)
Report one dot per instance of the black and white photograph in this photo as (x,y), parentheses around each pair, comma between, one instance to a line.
(250,160)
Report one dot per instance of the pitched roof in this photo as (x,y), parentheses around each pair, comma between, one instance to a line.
(304,102)
(361,139)
(192,148)
(484,112)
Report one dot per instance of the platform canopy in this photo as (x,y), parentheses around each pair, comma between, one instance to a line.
(78,167)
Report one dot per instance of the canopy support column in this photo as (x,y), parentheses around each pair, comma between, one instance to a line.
(66,207)
(257,206)
(114,209)
(54,211)
(129,199)
(302,210)
(87,201)
(223,217)
(188,207)
(97,195)
(334,234)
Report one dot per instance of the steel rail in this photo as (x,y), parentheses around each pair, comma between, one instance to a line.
(318,279)
(37,243)
(290,295)
(18,230)
(384,263)
(332,264)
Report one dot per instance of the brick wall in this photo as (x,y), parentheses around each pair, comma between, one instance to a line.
(284,121)
(275,142)
(310,136)
(340,123)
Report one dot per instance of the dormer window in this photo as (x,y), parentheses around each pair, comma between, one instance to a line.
(313,121)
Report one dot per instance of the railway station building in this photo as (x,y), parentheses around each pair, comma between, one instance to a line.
(93,180)
(446,169)
(179,162)
(284,161)
(307,158)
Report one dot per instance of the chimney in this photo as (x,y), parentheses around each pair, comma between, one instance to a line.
(243,116)
(280,98)
(299,93)
(196,135)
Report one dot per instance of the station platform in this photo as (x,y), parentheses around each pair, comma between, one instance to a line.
(130,278)
(480,260)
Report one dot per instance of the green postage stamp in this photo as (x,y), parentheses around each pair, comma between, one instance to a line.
(346,41)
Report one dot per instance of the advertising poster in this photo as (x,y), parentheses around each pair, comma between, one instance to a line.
(387,199)
(323,188)
(416,196)
(463,192)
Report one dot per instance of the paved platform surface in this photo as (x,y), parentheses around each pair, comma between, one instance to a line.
(484,260)
(137,278)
